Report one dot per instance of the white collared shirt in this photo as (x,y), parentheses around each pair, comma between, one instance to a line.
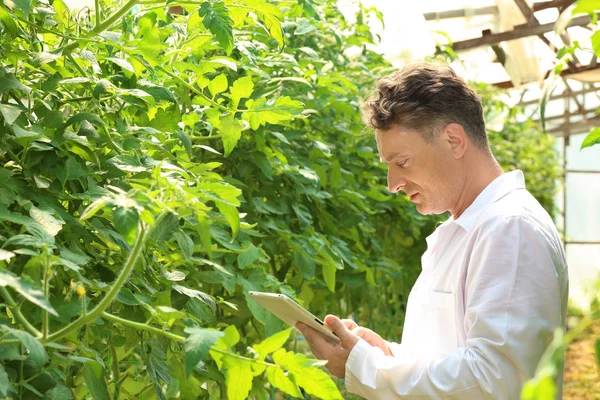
(493,289)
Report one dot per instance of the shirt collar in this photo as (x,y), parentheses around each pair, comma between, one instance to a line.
(497,189)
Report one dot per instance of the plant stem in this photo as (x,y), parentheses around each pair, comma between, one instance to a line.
(193,89)
(116,286)
(8,342)
(99,28)
(173,336)
(97,6)
(16,312)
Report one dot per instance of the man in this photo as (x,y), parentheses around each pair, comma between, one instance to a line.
(493,286)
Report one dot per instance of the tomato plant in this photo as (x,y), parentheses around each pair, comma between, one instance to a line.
(161,159)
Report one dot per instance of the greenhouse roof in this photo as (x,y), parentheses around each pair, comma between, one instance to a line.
(508,43)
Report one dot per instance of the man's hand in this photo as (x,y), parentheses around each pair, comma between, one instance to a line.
(337,354)
(368,336)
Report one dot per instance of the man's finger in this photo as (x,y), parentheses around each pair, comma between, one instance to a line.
(350,324)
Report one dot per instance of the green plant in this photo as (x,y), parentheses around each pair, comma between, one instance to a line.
(157,166)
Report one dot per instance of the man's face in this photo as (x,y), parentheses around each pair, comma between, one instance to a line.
(427,173)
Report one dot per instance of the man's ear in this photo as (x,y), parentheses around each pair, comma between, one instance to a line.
(457,139)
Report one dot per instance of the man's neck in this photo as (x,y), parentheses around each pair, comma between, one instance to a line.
(480,171)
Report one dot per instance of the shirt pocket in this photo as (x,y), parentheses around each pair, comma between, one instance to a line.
(439,311)
(430,325)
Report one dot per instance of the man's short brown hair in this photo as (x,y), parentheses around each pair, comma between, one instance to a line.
(424,98)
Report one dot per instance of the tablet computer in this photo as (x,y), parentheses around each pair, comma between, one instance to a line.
(291,312)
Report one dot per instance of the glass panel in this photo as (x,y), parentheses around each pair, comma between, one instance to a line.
(586,159)
(583,207)
(584,269)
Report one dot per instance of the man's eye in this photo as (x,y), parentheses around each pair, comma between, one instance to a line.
(402,163)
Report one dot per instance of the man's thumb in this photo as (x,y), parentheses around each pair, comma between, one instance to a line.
(340,330)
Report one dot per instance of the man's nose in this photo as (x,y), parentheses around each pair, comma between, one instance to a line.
(396,182)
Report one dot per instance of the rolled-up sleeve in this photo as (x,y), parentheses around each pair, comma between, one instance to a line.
(512,297)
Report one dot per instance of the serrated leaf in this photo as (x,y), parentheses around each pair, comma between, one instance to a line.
(591,139)
(51,225)
(8,22)
(238,378)
(35,350)
(248,257)
(10,82)
(304,28)
(94,379)
(126,221)
(241,88)
(271,16)
(25,289)
(272,343)
(281,381)
(203,297)
(150,46)
(24,5)
(218,84)
(260,112)
(216,19)
(10,113)
(197,345)
(186,244)
(62,11)
(231,130)
(156,363)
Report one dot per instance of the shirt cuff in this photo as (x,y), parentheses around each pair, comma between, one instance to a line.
(357,367)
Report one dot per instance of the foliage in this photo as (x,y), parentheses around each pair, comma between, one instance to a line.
(157,166)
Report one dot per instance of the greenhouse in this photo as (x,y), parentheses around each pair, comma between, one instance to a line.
(314,199)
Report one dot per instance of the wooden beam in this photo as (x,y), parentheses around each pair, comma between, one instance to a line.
(432,16)
(563,95)
(521,32)
(571,128)
(527,12)
(565,73)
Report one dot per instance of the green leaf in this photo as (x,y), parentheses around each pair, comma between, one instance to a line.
(597,348)
(10,113)
(281,381)
(272,343)
(216,19)
(591,139)
(59,392)
(186,244)
(126,221)
(166,227)
(24,5)
(24,287)
(51,225)
(231,129)
(241,88)
(233,217)
(4,384)
(93,208)
(329,270)
(150,46)
(156,363)
(205,298)
(238,378)
(304,28)
(230,338)
(126,65)
(166,120)
(218,85)
(94,380)
(271,16)
(9,23)
(305,264)
(260,112)
(248,257)
(197,344)
(10,82)
(35,350)
(62,11)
